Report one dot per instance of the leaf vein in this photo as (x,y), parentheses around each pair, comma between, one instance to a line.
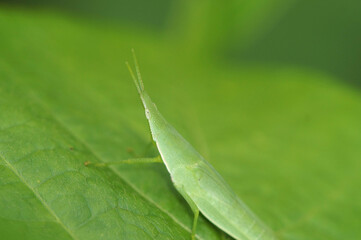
(37,195)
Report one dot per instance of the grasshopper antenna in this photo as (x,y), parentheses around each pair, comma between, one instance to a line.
(140,81)
(133,77)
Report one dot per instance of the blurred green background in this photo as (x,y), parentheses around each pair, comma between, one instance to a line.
(267,90)
(317,35)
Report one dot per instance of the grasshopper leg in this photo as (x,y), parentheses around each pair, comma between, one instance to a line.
(157,159)
(195,221)
(193,206)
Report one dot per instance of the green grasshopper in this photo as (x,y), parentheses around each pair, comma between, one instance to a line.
(195,179)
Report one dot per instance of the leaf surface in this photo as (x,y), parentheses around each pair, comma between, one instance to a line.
(286,140)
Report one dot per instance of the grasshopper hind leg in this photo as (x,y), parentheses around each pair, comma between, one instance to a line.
(194,208)
(195,221)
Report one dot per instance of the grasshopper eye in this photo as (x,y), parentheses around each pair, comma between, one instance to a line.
(147,113)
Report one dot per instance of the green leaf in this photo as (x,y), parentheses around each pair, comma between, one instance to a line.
(47,192)
(288,141)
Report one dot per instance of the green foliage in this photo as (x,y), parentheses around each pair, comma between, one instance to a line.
(327,39)
(287,141)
